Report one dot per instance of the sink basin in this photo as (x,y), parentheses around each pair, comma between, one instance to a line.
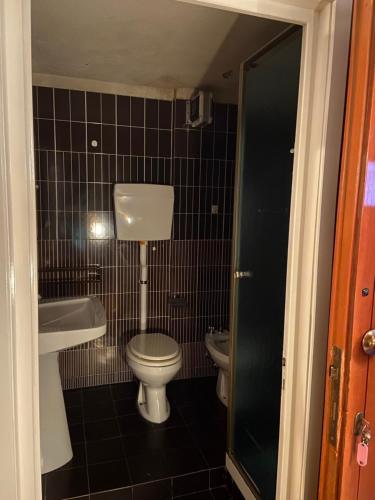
(65,323)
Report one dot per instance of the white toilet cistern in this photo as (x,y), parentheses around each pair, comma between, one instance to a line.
(144,212)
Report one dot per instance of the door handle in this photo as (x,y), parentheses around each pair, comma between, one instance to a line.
(368,343)
(243,274)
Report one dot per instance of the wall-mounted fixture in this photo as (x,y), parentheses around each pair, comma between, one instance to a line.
(199,109)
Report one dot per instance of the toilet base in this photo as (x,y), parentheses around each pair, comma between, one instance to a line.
(222,386)
(153,404)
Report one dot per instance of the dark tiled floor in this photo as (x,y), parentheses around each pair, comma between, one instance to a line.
(119,455)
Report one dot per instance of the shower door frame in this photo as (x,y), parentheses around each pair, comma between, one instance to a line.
(326,27)
(326,35)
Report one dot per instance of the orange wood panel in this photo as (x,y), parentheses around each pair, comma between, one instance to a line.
(367,474)
(350,313)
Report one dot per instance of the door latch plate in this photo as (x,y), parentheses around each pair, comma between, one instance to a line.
(334,376)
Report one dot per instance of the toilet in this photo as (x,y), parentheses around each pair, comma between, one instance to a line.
(154,359)
(144,212)
(217,344)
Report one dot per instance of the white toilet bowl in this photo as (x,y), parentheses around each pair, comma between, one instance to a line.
(217,344)
(154,359)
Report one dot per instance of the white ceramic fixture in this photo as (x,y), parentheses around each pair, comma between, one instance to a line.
(143,211)
(63,323)
(217,344)
(154,359)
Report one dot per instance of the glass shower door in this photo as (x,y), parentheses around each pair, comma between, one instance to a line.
(269,107)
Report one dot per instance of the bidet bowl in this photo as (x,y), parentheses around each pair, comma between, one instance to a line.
(217,345)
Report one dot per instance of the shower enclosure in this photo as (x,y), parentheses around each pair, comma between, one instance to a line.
(270,81)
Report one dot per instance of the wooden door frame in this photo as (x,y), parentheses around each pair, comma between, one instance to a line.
(345,327)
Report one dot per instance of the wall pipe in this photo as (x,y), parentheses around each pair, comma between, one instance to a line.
(143,285)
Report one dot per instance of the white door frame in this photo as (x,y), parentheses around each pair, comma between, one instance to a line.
(19,421)
(320,114)
(325,46)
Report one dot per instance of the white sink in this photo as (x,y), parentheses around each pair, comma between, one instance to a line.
(63,323)
(69,322)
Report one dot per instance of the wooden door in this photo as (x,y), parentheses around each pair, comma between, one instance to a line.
(353,296)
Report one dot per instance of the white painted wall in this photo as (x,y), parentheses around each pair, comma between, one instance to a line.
(19,423)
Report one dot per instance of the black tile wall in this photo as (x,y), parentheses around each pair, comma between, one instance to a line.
(85,142)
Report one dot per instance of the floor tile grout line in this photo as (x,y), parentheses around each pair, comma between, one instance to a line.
(121,440)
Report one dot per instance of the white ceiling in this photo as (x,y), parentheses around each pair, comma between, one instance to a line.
(154,43)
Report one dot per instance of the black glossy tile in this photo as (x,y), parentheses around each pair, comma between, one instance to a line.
(152,113)
(46,134)
(218,477)
(119,494)
(137,141)
(63,136)
(76,433)
(180,113)
(220,493)
(123,140)
(101,429)
(125,406)
(184,460)
(157,490)
(192,412)
(108,476)
(165,114)
(232,118)
(62,104)
(73,397)
(165,144)
(220,117)
(93,100)
(148,467)
(235,492)
(94,133)
(108,108)
(67,483)
(123,110)
(152,147)
(77,105)
(137,111)
(109,139)
(79,457)
(45,102)
(78,136)
(180,143)
(98,395)
(105,450)
(93,412)
(214,457)
(124,391)
(174,420)
(189,483)
(201,495)
(85,497)
(133,424)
